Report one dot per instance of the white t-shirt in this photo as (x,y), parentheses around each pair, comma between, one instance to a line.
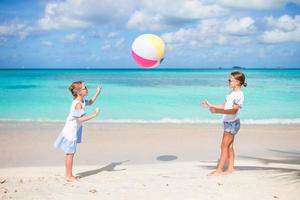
(233,98)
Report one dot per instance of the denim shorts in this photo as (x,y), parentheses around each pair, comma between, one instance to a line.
(232,127)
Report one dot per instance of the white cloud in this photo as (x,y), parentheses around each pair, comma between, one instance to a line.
(236,31)
(15,28)
(59,16)
(172,13)
(208,33)
(185,9)
(283,29)
(71,37)
(207,21)
(117,43)
(11,28)
(142,20)
(256,4)
(277,36)
(154,14)
(143,15)
(112,34)
(83,13)
(284,23)
(75,38)
(243,26)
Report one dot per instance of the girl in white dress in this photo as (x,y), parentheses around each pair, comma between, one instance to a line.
(71,134)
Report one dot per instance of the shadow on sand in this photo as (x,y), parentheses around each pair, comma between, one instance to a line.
(110,168)
(284,172)
(166,158)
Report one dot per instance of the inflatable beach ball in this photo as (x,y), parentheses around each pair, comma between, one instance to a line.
(148,50)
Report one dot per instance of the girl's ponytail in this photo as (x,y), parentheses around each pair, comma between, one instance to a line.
(240,77)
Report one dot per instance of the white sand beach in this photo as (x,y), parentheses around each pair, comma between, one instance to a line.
(149,161)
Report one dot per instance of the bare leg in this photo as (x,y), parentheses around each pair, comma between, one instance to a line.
(69,167)
(226,141)
(231,157)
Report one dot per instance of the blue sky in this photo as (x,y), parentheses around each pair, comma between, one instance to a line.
(197,33)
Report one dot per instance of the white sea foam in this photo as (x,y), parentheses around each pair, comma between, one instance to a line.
(169,121)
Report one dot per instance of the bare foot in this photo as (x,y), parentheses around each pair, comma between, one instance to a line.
(72,178)
(215,173)
(228,172)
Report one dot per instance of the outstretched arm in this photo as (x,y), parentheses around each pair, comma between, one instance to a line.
(86,117)
(232,111)
(206,104)
(93,99)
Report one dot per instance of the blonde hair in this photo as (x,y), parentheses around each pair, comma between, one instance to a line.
(75,87)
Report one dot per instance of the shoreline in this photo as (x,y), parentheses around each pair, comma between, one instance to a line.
(272,121)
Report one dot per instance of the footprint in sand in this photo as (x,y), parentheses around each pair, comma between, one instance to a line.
(93,191)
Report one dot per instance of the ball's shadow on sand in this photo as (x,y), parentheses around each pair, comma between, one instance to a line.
(166,158)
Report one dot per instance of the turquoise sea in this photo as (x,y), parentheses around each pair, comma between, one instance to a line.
(272,95)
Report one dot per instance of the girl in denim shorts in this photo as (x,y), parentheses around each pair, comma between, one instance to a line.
(231,121)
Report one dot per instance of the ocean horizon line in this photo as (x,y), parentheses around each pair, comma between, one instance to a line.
(158,69)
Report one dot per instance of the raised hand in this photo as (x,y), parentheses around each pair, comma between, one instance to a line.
(205,104)
(99,89)
(96,111)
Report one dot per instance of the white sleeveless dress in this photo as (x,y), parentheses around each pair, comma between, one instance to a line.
(72,131)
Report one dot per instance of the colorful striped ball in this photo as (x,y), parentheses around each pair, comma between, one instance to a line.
(148,50)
